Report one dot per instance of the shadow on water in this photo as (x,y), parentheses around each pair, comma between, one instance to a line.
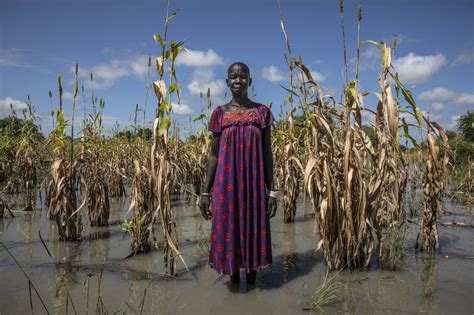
(285,269)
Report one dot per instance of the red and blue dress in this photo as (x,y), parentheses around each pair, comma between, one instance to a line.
(240,235)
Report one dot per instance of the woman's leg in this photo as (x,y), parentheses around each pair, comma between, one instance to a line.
(251,276)
(235,277)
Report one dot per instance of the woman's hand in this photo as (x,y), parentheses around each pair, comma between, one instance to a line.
(271,207)
(204,206)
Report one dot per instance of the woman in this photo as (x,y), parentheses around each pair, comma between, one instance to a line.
(240,174)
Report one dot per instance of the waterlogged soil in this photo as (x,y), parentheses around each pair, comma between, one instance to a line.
(93,275)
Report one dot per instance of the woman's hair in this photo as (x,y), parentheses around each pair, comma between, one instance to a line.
(243,65)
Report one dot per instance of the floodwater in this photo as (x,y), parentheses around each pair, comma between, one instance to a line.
(92,276)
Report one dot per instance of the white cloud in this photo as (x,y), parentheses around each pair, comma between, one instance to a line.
(453,122)
(203,78)
(198,58)
(437,107)
(105,74)
(8,101)
(203,74)
(318,76)
(464,58)
(402,38)
(181,109)
(447,122)
(11,58)
(369,58)
(413,69)
(465,98)
(21,58)
(139,66)
(440,94)
(434,116)
(68,96)
(272,74)
(217,87)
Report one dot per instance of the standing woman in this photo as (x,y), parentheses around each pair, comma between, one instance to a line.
(240,174)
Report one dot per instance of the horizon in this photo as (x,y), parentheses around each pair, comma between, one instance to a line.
(434,54)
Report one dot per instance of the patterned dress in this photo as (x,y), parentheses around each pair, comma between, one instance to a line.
(240,236)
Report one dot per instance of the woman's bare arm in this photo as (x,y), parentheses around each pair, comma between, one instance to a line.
(211,173)
(268,157)
(212,163)
(268,169)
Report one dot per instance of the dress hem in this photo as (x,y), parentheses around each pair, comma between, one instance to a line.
(241,266)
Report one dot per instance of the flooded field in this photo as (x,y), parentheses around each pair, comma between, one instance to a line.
(93,276)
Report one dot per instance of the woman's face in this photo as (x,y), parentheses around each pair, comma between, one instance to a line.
(238,79)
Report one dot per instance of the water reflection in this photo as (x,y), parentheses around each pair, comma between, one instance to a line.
(428,275)
(2,228)
(289,251)
(66,269)
(236,303)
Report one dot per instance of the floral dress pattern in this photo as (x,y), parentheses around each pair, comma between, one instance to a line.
(240,235)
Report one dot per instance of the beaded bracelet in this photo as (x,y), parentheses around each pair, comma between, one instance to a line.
(272,193)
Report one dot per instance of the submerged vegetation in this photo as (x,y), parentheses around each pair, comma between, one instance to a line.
(363,180)
(357,180)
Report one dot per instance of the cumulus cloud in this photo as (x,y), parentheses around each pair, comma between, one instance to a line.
(202,79)
(465,98)
(448,122)
(464,58)
(181,109)
(414,69)
(138,65)
(272,74)
(437,107)
(441,94)
(198,58)
(203,73)
(7,103)
(369,58)
(196,87)
(105,74)
(317,76)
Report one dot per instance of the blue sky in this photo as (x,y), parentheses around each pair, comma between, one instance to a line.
(112,38)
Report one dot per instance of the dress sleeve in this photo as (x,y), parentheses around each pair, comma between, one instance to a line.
(215,123)
(266,116)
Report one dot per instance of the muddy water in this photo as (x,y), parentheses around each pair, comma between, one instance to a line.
(93,276)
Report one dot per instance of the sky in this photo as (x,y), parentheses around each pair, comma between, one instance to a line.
(39,39)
